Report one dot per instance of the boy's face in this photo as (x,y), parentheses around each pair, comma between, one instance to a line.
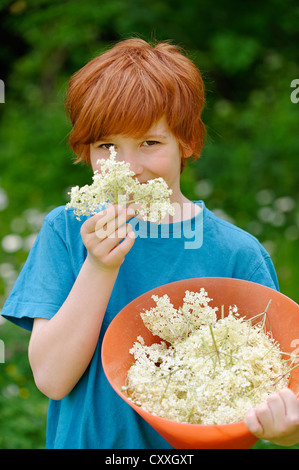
(156,154)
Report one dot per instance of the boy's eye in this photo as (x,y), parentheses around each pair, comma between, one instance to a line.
(106,146)
(149,143)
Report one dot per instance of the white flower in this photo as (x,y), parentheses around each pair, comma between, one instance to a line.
(213,371)
(173,324)
(115,184)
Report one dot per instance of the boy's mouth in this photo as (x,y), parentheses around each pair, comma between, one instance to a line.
(141,180)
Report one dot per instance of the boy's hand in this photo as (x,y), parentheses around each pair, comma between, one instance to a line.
(102,234)
(277,420)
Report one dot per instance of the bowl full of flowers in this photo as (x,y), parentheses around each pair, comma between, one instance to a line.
(193,356)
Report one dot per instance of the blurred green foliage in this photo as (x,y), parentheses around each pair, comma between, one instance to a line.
(248,172)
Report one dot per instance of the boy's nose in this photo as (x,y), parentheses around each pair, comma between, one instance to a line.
(132,158)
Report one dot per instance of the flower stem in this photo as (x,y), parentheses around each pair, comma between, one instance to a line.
(214,342)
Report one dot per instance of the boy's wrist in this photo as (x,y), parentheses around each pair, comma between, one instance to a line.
(97,267)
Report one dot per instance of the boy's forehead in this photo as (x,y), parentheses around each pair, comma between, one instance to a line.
(160,126)
(159,130)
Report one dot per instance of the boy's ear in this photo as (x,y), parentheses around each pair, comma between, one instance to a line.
(187,151)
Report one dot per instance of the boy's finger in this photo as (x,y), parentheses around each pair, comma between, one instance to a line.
(290,401)
(119,252)
(106,216)
(111,242)
(107,227)
(111,213)
(89,224)
(252,423)
(277,408)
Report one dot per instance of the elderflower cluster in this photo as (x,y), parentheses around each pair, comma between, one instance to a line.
(211,375)
(116,184)
(172,324)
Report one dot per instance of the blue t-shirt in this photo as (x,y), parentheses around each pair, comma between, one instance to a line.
(93,416)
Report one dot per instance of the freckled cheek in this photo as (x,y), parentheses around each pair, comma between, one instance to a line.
(94,157)
(159,166)
(168,171)
(94,166)
(93,160)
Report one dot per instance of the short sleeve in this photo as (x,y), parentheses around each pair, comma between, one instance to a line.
(44,282)
(265,274)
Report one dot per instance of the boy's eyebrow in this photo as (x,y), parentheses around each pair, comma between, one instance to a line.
(155,136)
(152,136)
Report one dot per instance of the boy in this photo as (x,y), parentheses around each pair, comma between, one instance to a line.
(146,101)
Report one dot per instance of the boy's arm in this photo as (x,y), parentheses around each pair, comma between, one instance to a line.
(61,348)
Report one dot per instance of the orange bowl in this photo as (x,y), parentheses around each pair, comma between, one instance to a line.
(251,299)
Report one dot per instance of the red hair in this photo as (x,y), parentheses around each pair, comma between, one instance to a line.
(128,88)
